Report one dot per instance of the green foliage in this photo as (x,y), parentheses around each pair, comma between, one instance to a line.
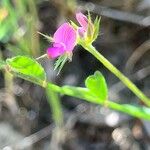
(24,35)
(96,91)
(97,85)
(83,93)
(27,68)
(27,43)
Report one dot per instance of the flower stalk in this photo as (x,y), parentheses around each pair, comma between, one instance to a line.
(117,73)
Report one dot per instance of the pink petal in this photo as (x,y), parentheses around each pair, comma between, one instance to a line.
(82,19)
(66,35)
(81,31)
(54,52)
(59,45)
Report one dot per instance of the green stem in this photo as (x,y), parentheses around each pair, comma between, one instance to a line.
(35,46)
(129,109)
(55,105)
(82,93)
(116,72)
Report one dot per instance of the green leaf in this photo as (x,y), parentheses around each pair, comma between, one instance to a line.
(97,85)
(27,68)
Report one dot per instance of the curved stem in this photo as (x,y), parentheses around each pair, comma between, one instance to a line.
(125,108)
(117,73)
(82,93)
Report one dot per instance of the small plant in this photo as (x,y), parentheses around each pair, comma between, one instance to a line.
(67,36)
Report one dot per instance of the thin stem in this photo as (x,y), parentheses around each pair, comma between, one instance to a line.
(55,105)
(10,98)
(78,93)
(41,57)
(82,93)
(35,46)
(125,108)
(117,73)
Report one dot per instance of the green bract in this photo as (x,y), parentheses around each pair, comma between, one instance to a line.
(89,30)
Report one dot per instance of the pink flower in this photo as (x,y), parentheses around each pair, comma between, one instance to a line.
(64,41)
(88,30)
(83,21)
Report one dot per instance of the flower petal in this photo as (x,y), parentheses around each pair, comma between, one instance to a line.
(82,19)
(67,35)
(54,52)
(81,31)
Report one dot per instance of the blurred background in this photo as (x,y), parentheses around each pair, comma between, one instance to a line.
(25,116)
